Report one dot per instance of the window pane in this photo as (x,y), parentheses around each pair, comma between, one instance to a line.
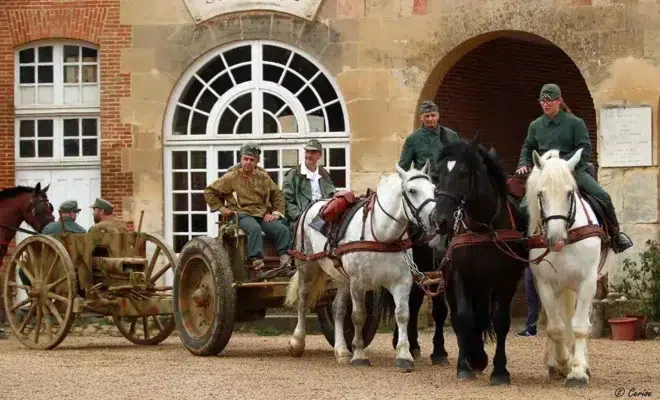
(179,242)
(245,126)
(45,74)
(272,103)
(26,75)
(316,121)
(276,54)
(71,127)
(46,94)
(89,127)
(26,56)
(337,157)
(292,82)
(90,147)
(46,54)
(45,128)
(180,201)
(303,67)
(270,125)
(227,122)
(27,94)
(198,202)
(198,124)
(180,181)
(238,55)
(181,116)
(338,177)
(45,148)
(71,94)
(26,128)
(89,54)
(71,74)
(335,118)
(271,159)
(242,74)
(71,54)
(274,175)
(180,223)
(198,159)
(198,180)
(308,99)
(71,148)
(180,160)
(26,149)
(289,158)
(89,73)
(211,69)
(324,88)
(272,73)
(242,103)
(199,223)
(225,159)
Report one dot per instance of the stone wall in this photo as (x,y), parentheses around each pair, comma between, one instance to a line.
(388,56)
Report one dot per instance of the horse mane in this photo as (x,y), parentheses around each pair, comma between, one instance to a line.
(10,193)
(476,157)
(553,179)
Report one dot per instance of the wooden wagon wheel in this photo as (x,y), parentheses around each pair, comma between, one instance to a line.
(151,329)
(49,282)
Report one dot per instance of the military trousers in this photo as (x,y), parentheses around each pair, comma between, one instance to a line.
(277,231)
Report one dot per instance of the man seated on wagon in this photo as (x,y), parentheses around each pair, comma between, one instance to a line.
(248,192)
(105,219)
(68,213)
(306,183)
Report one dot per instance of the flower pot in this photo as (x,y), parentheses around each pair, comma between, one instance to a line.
(624,328)
(641,323)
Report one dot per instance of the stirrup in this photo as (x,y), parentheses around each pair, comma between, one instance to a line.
(621,247)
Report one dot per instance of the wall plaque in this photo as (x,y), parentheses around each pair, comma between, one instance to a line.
(626,136)
(201,10)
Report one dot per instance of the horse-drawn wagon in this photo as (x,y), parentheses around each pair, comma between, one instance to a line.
(213,289)
(101,273)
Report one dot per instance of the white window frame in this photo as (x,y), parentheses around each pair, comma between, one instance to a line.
(58,111)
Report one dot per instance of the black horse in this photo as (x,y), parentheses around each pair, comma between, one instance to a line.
(480,278)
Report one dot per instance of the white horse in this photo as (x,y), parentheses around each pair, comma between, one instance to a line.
(402,197)
(553,197)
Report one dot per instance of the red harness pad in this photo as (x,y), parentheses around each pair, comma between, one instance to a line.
(337,206)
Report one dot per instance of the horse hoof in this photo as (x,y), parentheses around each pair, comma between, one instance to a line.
(360,363)
(439,360)
(588,372)
(577,383)
(416,354)
(499,380)
(466,376)
(555,373)
(404,365)
(344,360)
(296,348)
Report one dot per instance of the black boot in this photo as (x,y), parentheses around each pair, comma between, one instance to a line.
(620,241)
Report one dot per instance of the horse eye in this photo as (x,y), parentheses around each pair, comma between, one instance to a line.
(412,191)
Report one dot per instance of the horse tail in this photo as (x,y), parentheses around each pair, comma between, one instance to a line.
(316,289)
(488,330)
(389,307)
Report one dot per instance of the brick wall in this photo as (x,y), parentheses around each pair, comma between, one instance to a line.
(95,21)
(494,90)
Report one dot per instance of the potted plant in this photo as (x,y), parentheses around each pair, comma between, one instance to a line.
(642,285)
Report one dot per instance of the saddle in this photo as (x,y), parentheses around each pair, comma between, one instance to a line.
(333,218)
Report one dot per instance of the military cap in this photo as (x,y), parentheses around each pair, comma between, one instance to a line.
(550,91)
(102,204)
(427,107)
(69,206)
(251,150)
(313,145)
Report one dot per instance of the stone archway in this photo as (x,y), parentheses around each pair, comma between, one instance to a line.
(490,85)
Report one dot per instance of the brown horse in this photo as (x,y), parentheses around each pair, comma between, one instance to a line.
(22,204)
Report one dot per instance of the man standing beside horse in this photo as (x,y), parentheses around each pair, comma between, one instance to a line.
(421,146)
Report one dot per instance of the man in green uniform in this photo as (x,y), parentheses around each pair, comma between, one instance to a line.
(306,182)
(248,191)
(68,213)
(104,218)
(559,129)
(425,143)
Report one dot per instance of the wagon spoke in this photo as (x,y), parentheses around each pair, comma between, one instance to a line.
(33,260)
(27,272)
(55,312)
(145,327)
(50,269)
(27,318)
(158,323)
(49,322)
(133,323)
(56,283)
(20,304)
(57,297)
(37,327)
(159,274)
(152,263)
(18,286)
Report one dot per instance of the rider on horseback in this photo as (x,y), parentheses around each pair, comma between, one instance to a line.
(558,128)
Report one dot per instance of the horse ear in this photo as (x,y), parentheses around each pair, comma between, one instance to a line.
(538,163)
(400,171)
(44,190)
(572,162)
(426,168)
(37,188)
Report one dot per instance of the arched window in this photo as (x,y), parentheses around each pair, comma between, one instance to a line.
(250,92)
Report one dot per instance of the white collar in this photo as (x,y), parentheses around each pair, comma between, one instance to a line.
(305,171)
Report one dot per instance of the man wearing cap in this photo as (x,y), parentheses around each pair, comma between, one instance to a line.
(104,219)
(559,129)
(425,143)
(68,213)
(306,182)
(248,192)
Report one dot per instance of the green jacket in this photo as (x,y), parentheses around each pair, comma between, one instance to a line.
(566,133)
(70,226)
(424,144)
(298,190)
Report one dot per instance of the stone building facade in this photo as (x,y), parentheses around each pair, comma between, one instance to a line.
(171,97)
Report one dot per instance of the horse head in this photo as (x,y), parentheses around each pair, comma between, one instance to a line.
(551,196)
(38,211)
(417,192)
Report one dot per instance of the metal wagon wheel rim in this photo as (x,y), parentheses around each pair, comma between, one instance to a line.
(197,297)
(154,328)
(50,292)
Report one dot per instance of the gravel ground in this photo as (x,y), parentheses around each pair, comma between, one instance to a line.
(257,367)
